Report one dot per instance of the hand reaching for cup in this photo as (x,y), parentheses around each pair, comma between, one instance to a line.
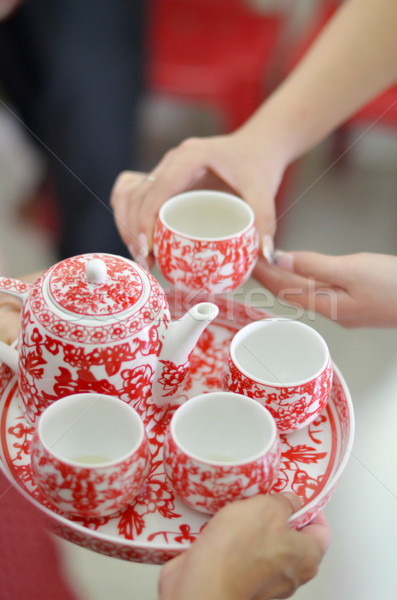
(357,290)
(234,163)
(248,551)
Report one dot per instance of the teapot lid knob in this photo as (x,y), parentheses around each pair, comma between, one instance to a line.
(96,271)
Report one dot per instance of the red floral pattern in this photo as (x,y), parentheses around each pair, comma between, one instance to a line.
(89,492)
(210,266)
(292,407)
(13,286)
(50,368)
(70,289)
(158,526)
(208,488)
(76,330)
(172,376)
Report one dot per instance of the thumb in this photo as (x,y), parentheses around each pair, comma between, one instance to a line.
(265,221)
(312,265)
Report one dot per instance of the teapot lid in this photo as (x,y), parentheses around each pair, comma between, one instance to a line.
(96,285)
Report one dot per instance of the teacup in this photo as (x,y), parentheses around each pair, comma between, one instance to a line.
(285,365)
(221,447)
(90,455)
(206,241)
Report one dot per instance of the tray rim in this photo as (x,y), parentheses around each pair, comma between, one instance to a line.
(172,548)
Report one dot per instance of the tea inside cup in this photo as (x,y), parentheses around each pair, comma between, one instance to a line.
(90,429)
(206,241)
(207,215)
(90,454)
(221,447)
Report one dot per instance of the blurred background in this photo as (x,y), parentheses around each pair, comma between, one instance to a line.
(341,198)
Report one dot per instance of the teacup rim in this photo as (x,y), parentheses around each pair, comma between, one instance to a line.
(229,464)
(292,384)
(81,464)
(197,238)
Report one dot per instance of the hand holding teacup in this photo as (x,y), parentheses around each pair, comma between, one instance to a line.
(206,241)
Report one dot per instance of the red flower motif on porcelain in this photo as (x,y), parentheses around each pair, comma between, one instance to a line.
(67,352)
(69,286)
(172,376)
(210,266)
(207,487)
(50,368)
(89,492)
(89,331)
(292,407)
(139,534)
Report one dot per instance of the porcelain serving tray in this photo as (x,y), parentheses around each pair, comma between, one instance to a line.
(158,526)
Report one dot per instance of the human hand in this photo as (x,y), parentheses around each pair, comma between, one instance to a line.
(235,163)
(10,312)
(248,551)
(10,316)
(358,290)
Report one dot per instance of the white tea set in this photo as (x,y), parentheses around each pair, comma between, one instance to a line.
(96,329)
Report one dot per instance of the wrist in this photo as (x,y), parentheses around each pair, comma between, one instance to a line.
(271,135)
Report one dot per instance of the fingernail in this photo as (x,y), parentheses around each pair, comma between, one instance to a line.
(142,262)
(141,255)
(268,248)
(284,260)
(143,247)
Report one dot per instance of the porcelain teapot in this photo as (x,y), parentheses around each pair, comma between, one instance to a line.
(100,322)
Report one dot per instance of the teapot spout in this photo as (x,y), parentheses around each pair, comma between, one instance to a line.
(173,364)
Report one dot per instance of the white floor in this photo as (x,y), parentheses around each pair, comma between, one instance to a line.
(345,211)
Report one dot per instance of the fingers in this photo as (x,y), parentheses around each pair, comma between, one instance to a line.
(319,531)
(284,283)
(294,502)
(170,177)
(137,197)
(208,163)
(123,201)
(313,265)
(248,550)
(310,281)
(265,217)
(170,575)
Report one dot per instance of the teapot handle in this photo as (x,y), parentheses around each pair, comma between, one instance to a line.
(14,287)
(19,290)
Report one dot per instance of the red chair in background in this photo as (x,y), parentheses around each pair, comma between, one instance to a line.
(214,52)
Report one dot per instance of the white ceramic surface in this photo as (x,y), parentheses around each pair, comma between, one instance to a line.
(158,526)
(98,323)
(90,455)
(285,365)
(221,447)
(206,240)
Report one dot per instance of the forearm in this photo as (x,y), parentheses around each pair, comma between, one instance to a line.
(351,62)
